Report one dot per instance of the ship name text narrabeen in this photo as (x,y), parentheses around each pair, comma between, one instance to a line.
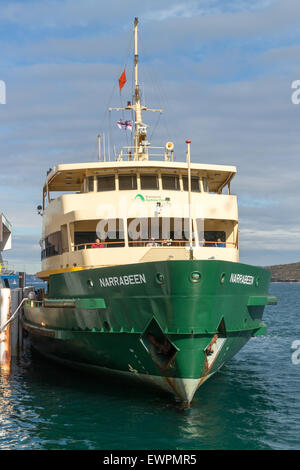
(131,279)
(241,279)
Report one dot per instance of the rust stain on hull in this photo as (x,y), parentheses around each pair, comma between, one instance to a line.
(207,367)
(5,342)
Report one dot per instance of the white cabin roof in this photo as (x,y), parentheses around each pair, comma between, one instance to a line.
(69,176)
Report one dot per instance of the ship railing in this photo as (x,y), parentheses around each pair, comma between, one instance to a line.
(127,152)
(6,269)
(153,243)
(33,303)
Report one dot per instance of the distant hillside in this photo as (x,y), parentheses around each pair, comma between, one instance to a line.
(285,272)
(32,280)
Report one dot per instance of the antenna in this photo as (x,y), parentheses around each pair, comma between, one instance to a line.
(188,157)
(104,156)
(99,148)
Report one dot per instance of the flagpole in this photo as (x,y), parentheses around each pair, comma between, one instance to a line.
(188,156)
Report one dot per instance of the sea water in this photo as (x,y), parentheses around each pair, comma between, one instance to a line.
(252,403)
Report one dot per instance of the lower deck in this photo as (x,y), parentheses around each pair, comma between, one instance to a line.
(169,319)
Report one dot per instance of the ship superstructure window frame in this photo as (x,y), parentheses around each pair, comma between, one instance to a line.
(64,238)
(158,231)
(106,183)
(90,186)
(147,183)
(205,184)
(109,231)
(195,184)
(210,230)
(167,184)
(127,181)
(51,245)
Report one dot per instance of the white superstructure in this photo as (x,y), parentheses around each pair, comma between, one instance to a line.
(141,209)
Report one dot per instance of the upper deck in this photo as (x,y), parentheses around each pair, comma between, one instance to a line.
(76,177)
(132,203)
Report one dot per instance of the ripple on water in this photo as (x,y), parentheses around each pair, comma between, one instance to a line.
(252,403)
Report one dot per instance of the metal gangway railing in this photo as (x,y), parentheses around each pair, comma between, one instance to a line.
(6,269)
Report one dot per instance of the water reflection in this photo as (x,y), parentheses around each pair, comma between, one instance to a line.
(252,403)
(45,407)
(229,411)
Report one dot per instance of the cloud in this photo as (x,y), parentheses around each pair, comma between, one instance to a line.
(74,13)
(53,14)
(25,254)
(206,8)
(222,71)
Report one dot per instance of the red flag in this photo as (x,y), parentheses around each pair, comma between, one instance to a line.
(122,80)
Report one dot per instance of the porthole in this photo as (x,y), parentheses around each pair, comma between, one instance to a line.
(195,276)
(160,278)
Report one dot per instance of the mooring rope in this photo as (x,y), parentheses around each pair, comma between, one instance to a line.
(13,316)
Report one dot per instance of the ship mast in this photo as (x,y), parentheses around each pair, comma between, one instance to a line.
(140,143)
(140,150)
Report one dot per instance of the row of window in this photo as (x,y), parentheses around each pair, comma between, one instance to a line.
(51,245)
(147,181)
(88,239)
(141,232)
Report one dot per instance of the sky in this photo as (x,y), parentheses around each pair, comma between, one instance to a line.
(221,70)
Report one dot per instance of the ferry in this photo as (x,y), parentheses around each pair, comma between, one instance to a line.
(141,257)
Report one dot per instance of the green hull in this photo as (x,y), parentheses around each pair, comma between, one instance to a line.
(171,323)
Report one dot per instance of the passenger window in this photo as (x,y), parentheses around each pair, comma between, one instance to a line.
(149,182)
(205,184)
(51,245)
(106,183)
(170,182)
(195,187)
(127,182)
(90,184)
(110,232)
